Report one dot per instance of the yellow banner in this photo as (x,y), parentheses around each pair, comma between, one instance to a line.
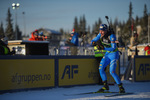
(142,69)
(26,73)
(78,71)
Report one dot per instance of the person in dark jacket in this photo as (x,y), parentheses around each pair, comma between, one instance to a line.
(4,50)
(147,50)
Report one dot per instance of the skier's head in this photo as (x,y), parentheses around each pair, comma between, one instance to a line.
(35,34)
(36,30)
(72,33)
(103,29)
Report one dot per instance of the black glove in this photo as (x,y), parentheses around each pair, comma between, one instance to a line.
(94,43)
(13,52)
(100,46)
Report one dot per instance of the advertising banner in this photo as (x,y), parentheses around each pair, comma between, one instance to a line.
(142,68)
(26,73)
(78,71)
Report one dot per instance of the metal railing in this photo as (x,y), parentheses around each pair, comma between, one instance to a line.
(65,50)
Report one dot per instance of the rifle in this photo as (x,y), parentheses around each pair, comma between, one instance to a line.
(99,45)
(110,30)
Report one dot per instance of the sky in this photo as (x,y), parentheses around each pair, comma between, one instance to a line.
(56,14)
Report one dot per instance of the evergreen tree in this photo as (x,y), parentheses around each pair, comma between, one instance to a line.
(145,18)
(2,31)
(144,24)
(111,23)
(63,33)
(19,33)
(96,26)
(130,17)
(120,36)
(9,29)
(61,30)
(137,21)
(80,26)
(116,23)
(99,21)
(76,26)
(93,29)
(88,31)
(84,24)
(88,39)
(121,43)
(126,32)
(126,35)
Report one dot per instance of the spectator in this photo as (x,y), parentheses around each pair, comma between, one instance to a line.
(73,42)
(34,36)
(42,36)
(147,50)
(134,39)
(4,50)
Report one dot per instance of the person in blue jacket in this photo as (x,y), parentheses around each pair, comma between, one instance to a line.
(73,42)
(111,56)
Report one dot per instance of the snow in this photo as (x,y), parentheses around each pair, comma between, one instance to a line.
(141,91)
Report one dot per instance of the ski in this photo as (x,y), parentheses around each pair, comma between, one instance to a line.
(89,93)
(118,94)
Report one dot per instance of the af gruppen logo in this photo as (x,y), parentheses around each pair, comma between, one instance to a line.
(19,78)
(144,69)
(69,71)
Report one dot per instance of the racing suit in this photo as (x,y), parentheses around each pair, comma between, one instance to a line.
(111,56)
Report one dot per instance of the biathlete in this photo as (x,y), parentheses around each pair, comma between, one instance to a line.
(111,56)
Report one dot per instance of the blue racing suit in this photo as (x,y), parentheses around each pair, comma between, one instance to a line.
(74,39)
(111,56)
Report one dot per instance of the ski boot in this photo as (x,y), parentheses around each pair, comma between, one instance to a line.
(121,89)
(105,88)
